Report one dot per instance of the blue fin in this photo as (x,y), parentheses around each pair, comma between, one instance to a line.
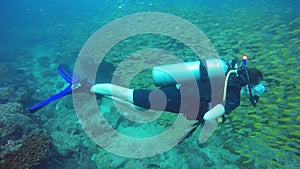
(66,73)
(43,103)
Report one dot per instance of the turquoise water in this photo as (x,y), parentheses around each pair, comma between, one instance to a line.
(38,36)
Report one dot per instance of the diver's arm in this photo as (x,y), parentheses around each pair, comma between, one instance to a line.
(211,122)
(212,116)
(214,113)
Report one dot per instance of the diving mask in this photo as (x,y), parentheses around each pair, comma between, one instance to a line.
(259,88)
(256,89)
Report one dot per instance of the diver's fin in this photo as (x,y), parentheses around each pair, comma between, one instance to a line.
(66,73)
(207,130)
(211,122)
(43,103)
(195,126)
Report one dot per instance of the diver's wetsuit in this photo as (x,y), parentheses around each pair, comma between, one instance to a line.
(173,96)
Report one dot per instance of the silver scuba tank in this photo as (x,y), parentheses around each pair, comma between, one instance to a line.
(184,72)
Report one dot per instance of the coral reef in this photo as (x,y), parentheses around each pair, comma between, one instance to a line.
(13,121)
(65,144)
(264,137)
(31,150)
(21,145)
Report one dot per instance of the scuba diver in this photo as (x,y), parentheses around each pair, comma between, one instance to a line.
(239,79)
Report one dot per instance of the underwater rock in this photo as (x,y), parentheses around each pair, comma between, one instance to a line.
(151,165)
(88,164)
(5,72)
(5,93)
(18,91)
(3,101)
(12,108)
(75,163)
(21,145)
(109,160)
(64,143)
(13,122)
(28,152)
(13,126)
(195,161)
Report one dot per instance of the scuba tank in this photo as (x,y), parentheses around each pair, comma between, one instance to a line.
(184,72)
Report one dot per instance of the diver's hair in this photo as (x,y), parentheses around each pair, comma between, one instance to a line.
(254,74)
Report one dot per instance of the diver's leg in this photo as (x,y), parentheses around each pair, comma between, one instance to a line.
(108,89)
